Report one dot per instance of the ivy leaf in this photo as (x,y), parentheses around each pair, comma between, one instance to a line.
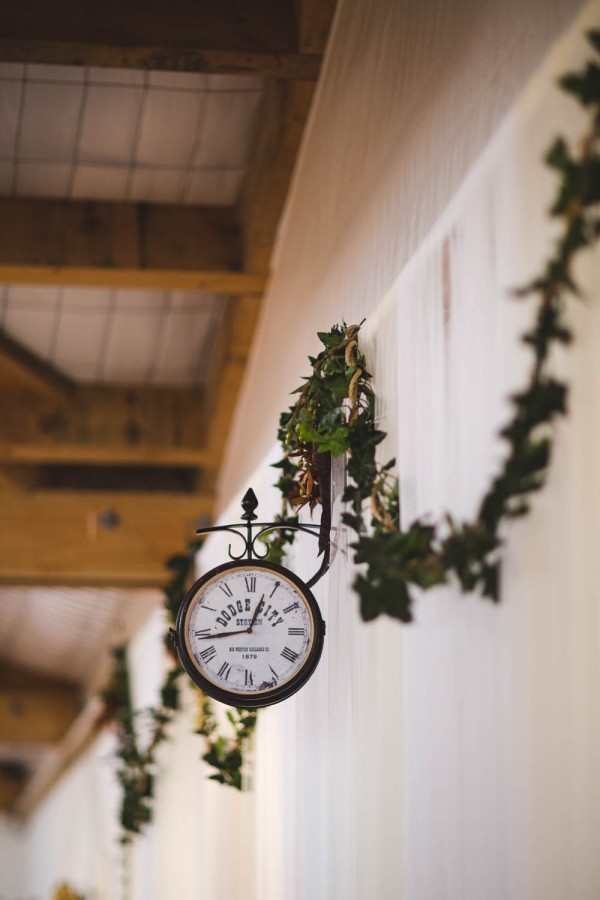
(585,86)
(558,156)
(593,37)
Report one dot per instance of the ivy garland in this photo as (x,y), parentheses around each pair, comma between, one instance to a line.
(138,767)
(335,413)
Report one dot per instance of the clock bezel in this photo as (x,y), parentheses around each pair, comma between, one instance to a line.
(269,696)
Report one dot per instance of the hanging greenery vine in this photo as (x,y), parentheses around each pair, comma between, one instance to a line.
(137,767)
(335,412)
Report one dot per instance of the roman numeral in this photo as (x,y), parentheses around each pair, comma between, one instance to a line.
(250,583)
(288,609)
(289,654)
(296,631)
(208,654)
(202,633)
(277,583)
(274,673)
(248,679)
(224,671)
(226,589)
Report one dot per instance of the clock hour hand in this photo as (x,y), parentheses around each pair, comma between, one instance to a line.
(259,606)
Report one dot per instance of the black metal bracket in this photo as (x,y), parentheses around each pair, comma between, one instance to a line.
(245,531)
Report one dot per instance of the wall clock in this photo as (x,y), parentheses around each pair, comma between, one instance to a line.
(250,633)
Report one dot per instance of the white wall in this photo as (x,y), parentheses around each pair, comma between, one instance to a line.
(457,758)
(410,95)
(11,859)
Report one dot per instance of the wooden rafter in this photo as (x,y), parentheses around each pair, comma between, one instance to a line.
(34,715)
(19,365)
(47,419)
(95,537)
(104,425)
(12,782)
(283,118)
(313,24)
(222,36)
(122,245)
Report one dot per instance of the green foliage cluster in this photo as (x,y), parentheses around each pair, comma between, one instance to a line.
(335,412)
(137,768)
(226,754)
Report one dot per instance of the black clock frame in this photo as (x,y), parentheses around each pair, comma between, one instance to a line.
(267,697)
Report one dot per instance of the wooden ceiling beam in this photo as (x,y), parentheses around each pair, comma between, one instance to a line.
(78,454)
(34,715)
(226,376)
(313,23)
(122,245)
(218,36)
(95,538)
(19,364)
(13,779)
(282,120)
(104,425)
(167,59)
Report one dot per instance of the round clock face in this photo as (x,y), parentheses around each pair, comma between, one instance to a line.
(250,634)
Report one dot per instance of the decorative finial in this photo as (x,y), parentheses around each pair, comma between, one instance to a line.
(249,504)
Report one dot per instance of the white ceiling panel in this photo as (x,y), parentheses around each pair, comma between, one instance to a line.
(124,336)
(169,127)
(127,77)
(157,185)
(100,182)
(80,341)
(47,179)
(110,134)
(184,301)
(12,70)
(10,101)
(109,123)
(86,299)
(132,348)
(214,188)
(63,632)
(227,129)
(72,74)
(141,301)
(183,356)
(242,83)
(50,120)
(196,81)
(41,296)
(32,326)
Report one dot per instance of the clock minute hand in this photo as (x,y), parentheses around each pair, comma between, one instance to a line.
(221,634)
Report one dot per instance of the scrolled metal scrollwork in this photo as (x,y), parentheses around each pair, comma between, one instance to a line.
(249,525)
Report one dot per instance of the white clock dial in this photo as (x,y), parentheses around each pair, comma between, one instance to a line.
(249,630)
